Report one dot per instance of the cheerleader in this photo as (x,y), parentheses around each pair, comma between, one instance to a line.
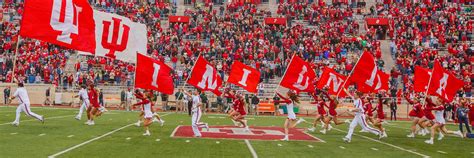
(233,111)
(416,114)
(439,123)
(93,111)
(240,109)
(156,116)
(146,113)
(332,113)
(367,105)
(320,104)
(380,115)
(291,100)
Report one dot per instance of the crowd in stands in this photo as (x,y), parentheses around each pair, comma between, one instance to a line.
(324,35)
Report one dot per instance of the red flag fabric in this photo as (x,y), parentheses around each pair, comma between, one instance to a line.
(205,77)
(381,82)
(333,81)
(365,74)
(244,76)
(299,76)
(443,83)
(421,79)
(68,23)
(153,74)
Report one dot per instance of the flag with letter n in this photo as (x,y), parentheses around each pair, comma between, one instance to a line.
(333,81)
(205,77)
(118,37)
(244,76)
(153,74)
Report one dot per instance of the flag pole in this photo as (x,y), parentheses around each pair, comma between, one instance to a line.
(15,57)
(187,78)
(278,86)
(429,83)
(344,84)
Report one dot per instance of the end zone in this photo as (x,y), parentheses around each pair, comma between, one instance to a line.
(255,133)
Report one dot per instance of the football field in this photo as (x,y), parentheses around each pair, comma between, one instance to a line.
(114,135)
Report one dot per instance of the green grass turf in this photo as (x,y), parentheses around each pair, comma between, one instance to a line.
(33,139)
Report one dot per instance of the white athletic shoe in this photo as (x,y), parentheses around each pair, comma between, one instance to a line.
(323,131)
(381,135)
(300,120)
(247,128)
(137,124)
(91,123)
(385,134)
(363,131)
(427,131)
(285,139)
(147,133)
(15,123)
(347,140)
(206,126)
(87,122)
(329,127)
(312,129)
(459,133)
(411,135)
(197,136)
(347,121)
(235,123)
(162,122)
(440,136)
(429,141)
(155,120)
(78,117)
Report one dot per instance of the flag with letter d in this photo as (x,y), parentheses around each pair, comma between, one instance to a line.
(299,76)
(153,74)
(244,76)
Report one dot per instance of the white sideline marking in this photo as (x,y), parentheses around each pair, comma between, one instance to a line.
(375,149)
(70,136)
(279,145)
(89,141)
(13,133)
(187,141)
(42,134)
(157,140)
(394,146)
(48,118)
(93,139)
(442,152)
(254,154)
(314,136)
(217,142)
(342,147)
(128,138)
(310,146)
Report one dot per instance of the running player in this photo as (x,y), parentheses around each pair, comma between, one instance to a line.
(196,113)
(85,102)
(291,100)
(367,105)
(359,118)
(416,113)
(235,103)
(428,120)
(332,113)
(320,104)
(139,95)
(147,111)
(23,105)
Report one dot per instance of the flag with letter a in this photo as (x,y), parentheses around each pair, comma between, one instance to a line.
(299,76)
(118,37)
(67,23)
(244,76)
(205,77)
(443,83)
(153,74)
(333,81)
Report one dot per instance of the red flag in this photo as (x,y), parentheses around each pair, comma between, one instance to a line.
(299,76)
(68,23)
(244,76)
(443,83)
(153,74)
(365,74)
(421,79)
(205,77)
(333,80)
(381,82)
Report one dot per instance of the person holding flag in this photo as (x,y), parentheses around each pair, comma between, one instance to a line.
(146,113)
(291,99)
(320,104)
(196,113)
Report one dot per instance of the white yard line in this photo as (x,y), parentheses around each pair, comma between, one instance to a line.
(47,118)
(388,144)
(94,139)
(254,154)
